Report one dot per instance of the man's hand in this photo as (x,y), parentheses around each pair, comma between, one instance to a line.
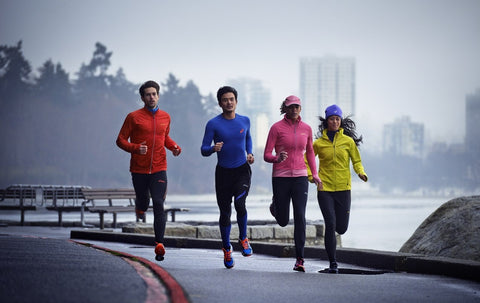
(143,148)
(218,146)
(250,158)
(176,151)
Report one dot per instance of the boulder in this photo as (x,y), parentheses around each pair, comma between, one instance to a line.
(453,231)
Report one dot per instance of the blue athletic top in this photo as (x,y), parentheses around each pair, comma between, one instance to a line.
(235,135)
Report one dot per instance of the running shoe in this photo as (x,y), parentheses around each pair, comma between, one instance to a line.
(227,257)
(272,208)
(299,265)
(159,252)
(140,215)
(333,268)
(246,248)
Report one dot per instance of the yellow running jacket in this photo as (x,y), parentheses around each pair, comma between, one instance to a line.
(334,161)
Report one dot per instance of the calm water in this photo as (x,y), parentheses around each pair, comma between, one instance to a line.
(379,222)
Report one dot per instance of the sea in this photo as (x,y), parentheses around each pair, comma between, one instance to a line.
(378,222)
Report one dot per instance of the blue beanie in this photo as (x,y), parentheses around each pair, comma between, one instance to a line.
(333,110)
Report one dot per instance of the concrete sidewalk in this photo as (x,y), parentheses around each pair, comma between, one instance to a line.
(379,260)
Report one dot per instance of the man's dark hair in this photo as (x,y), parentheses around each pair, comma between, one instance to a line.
(226,89)
(148,84)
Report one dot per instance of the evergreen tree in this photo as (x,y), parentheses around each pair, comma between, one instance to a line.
(53,83)
(93,81)
(14,73)
(123,89)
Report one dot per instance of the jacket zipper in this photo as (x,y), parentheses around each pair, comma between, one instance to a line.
(294,144)
(335,161)
(153,145)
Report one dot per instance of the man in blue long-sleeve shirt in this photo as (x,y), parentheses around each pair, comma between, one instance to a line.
(230,134)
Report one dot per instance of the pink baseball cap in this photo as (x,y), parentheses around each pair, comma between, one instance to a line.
(290,100)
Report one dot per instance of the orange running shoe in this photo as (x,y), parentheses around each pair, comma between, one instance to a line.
(246,248)
(227,257)
(159,252)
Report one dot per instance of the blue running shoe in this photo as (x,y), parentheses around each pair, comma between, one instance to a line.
(246,248)
(227,257)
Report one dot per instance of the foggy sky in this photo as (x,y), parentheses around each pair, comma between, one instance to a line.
(417,58)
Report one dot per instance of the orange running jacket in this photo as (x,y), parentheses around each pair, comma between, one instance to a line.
(144,127)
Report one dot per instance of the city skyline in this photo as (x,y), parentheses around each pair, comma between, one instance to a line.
(412,58)
(325,81)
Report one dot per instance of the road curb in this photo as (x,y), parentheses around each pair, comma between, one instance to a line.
(175,291)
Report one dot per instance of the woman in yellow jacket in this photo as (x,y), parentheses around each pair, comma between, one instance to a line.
(336,146)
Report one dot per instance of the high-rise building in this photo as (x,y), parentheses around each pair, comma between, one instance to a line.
(472,137)
(254,101)
(404,137)
(472,122)
(325,81)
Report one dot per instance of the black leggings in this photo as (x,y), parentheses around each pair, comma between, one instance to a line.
(296,189)
(156,186)
(232,182)
(335,208)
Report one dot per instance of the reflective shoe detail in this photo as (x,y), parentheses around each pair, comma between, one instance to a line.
(246,248)
(140,215)
(299,265)
(227,257)
(333,268)
(159,252)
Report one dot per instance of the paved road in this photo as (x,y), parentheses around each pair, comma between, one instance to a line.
(259,278)
(56,270)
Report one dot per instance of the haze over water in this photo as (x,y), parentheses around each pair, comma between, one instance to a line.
(416,57)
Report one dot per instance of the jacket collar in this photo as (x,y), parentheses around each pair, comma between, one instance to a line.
(324,133)
(290,121)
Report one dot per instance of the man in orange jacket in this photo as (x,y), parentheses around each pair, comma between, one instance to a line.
(148,130)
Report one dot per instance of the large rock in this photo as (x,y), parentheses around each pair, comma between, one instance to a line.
(453,231)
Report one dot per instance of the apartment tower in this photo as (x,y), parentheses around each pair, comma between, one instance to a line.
(325,81)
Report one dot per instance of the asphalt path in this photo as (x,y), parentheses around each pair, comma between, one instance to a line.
(35,269)
(262,278)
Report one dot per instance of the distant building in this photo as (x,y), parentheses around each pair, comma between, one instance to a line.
(325,81)
(472,137)
(472,122)
(254,101)
(403,137)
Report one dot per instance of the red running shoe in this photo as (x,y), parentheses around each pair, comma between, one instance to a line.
(159,252)
(140,215)
(299,265)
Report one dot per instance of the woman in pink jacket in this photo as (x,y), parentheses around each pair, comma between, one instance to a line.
(291,138)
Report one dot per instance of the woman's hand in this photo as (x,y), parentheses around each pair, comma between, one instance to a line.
(318,182)
(282,156)
(363,177)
